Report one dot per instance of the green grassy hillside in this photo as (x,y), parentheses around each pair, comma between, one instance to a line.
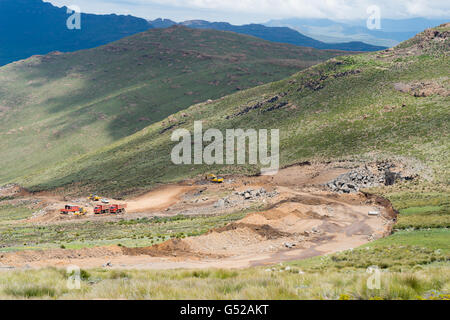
(60,106)
(374,105)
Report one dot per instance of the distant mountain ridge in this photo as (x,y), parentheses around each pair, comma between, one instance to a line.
(30,27)
(392,31)
(275,34)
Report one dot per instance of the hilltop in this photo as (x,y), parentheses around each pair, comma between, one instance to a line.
(60,106)
(275,34)
(371,106)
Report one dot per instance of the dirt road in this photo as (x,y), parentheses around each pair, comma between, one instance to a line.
(158,199)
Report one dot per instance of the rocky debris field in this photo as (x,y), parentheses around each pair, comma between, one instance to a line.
(383,173)
(238,197)
(251,194)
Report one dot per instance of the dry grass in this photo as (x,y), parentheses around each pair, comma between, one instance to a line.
(278,283)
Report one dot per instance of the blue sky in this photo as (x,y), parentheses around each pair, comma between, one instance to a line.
(247,11)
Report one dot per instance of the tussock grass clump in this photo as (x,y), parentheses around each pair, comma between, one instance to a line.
(41,284)
(30,291)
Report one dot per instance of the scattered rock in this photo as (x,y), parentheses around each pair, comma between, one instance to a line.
(289,245)
(363,177)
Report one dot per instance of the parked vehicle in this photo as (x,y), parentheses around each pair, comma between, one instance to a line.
(117,208)
(101,209)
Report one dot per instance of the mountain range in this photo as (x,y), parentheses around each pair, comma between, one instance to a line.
(391,33)
(29,27)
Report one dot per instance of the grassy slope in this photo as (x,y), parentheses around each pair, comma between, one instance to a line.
(346,107)
(58,107)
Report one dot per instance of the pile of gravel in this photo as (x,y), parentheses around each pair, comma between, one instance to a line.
(363,177)
(252,194)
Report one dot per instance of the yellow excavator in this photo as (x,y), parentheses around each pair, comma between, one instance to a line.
(213,178)
(94,197)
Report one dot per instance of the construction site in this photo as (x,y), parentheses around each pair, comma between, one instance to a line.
(289,216)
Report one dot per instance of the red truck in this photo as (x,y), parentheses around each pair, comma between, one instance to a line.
(117,208)
(101,209)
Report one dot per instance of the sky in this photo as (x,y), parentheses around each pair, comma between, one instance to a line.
(258,11)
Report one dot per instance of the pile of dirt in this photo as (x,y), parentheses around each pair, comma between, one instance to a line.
(29,256)
(170,248)
(234,240)
(264,231)
(290,220)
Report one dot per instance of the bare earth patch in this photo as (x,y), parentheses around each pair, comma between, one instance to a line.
(301,219)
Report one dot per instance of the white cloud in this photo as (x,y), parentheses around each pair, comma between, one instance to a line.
(260,10)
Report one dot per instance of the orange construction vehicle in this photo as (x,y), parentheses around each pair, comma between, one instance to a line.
(101,209)
(75,210)
(117,208)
